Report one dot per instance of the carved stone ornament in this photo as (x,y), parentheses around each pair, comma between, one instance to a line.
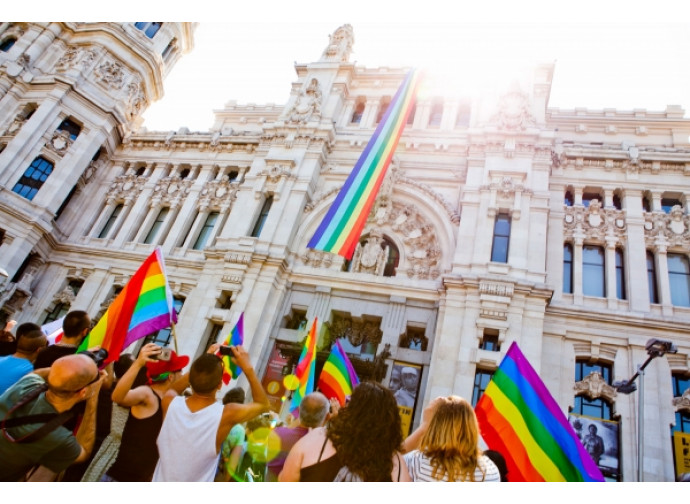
(111,74)
(171,190)
(594,222)
(60,142)
(307,105)
(357,331)
(136,101)
(317,258)
(667,230)
(15,126)
(126,187)
(594,386)
(218,193)
(65,296)
(340,45)
(682,403)
(277,171)
(513,112)
(371,255)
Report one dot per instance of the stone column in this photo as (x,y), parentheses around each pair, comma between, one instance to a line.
(636,252)
(578,241)
(610,272)
(663,282)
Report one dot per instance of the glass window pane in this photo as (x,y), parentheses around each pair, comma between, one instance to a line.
(679,279)
(593,271)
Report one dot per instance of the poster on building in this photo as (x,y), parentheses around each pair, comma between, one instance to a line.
(681,450)
(600,439)
(273,379)
(404,383)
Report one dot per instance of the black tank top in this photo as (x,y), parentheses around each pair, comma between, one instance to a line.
(323,470)
(138,453)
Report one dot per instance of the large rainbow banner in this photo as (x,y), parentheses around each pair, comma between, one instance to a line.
(342,226)
(519,418)
(143,306)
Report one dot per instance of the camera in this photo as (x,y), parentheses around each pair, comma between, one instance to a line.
(163,355)
(225,350)
(99,356)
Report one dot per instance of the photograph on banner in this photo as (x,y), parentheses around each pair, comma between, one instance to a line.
(681,452)
(600,439)
(404,383)
(273,381)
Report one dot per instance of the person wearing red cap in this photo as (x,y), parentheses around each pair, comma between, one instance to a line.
(138,453)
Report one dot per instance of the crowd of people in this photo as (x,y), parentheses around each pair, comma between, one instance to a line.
(66,416)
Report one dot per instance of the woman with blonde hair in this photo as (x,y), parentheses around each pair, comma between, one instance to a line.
(449,445)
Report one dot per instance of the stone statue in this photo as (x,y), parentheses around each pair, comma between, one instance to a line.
(340,45)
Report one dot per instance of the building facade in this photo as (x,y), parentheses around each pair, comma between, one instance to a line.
(500,220)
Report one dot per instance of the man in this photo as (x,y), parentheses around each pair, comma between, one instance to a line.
(138,454)
(313,412)
(75,327)
(594,444)
(30,340)
(407,393)
(71,380)
(233,446)
(195,427)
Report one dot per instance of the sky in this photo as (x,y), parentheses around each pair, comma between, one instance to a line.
(622,65)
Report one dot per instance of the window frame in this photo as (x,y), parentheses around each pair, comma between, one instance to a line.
(156,226)
(498,239)
(41,166)
(588,268)
(205,231)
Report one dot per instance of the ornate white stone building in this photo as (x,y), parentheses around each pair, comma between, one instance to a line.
(500,220)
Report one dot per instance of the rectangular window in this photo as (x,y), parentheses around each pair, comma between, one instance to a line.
(111,220)
(34,177)
(162,337)
(679,279)
(206,231)
(481,380)
(667,204)
(499,249)
(149,29)
(585,368)
(651,278)
(568,268)
(680,384)
(262,217)
(490,341)
(593,283)
(156,226)
(620,275)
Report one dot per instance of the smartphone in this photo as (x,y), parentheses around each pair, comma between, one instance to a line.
(225,350)
(164,354)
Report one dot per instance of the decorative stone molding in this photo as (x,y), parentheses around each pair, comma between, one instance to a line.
(682,403)
(356,330)
(514,112)
(594,386)
(65,296)
(594,222)
(234,279)
(110,74)
(60,142)
(238,258)
(667,230)
(494,299)
(317,258)
(506,192)
(136,100)
(372,256)
(126,187)
(307,105)
(83,56)
(171,191)
(278,169)
(217,194)
(496,288)
(15,126)
(340,45)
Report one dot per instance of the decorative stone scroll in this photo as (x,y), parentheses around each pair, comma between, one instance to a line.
(594,386)
(126,187)
(60,142)
(218,193)
(667,230)
(171,191)
(682,403)
(594,222)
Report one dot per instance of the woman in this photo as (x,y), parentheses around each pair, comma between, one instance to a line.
(361,443)
(448,449)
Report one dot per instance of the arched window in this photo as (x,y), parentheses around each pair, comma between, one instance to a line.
(436,114)
(667,204)
(7,44)
(357,114)
(651,278)
(593,283)
(33,178)
(617,203)
(383,106)
(149,29)
(568,268)
(393,257)
(620,275)
(569,199)
(679,279)
(410,118)
(646,204)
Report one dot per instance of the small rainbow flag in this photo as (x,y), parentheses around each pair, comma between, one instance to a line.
(145,305)
(520,419)
(236,337)
(338,378)
(306,369)
(342,226)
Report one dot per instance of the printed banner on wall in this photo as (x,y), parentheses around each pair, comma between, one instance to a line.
(681,447)
(600,439)
(404,382)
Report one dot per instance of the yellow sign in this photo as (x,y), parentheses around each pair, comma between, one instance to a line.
(681,446)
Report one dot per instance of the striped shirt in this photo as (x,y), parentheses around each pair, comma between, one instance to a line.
(420,469)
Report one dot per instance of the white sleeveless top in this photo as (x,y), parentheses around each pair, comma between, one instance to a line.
(187,443)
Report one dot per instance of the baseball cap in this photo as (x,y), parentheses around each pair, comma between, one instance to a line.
(176,363)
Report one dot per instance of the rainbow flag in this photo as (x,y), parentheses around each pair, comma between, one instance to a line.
(144,306)
(236,337)
(520,419)
(338,378)
(306,369)
(342,226)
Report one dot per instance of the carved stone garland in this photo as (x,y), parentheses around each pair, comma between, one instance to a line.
(218,193)
(594,222)
(667,230)
(126,187)
(171,191)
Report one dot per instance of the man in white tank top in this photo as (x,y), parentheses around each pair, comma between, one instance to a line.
(194,427)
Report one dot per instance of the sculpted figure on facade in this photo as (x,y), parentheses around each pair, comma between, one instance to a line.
(667,230)
(136,101)
(372,256)
(514,112)
(594,386)
(218,193)
(307,105)
(340,45)
(126,187)
(594,222)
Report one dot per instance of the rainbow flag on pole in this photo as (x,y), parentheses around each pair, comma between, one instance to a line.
(342,226)
(306,369)
(338,378)
(520,419)
(144,306)
(236,337)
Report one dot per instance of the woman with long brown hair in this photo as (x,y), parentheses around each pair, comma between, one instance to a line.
(361,443)
(449,447)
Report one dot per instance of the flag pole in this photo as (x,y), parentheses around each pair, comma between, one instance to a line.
(172,330)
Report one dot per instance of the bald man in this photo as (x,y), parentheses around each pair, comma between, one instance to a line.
(70,380)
